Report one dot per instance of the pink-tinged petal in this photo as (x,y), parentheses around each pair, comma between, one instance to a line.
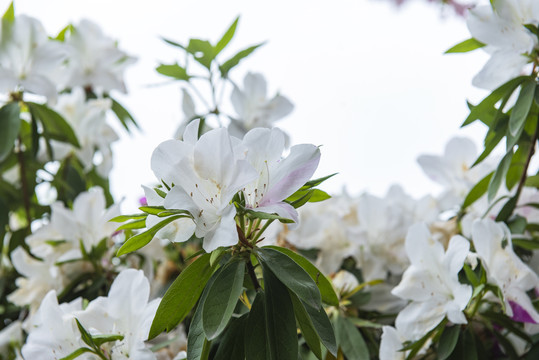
(519,314)
(282,209)
(292,173)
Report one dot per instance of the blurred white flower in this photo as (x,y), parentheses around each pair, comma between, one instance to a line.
(29,61)
(189,113)
(500,25)
(390,344)
(10,335)
(344,282)
(253,107)
(96,61)
(431,282)
(504,268)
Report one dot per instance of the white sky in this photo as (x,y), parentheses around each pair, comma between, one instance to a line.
(369,81)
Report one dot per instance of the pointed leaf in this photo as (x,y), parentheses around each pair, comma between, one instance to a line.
(325,287)
(202,51)
(256,339)
(235,60)
(229,34)
(222,299)
(123,115)
(477,191)
(465,46)
(522,107)
(499,175)
(448,341)
(175,71)
(291,274)
(181,296)
(75,354)
(350,340)
(306,326)
(54,125)
(232,344)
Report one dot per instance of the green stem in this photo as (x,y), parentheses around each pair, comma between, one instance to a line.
(528,159)
(24,182)
(204,355)
(257,236)
(253,227)
(252,275)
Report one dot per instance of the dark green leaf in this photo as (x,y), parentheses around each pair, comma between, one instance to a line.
(471,276)
(494,135)
(229,34)
(122,114)
(232,344)
(315,182)
(10,123)
(499,175)
(174,70)
(256,339)
(325,287)
(181,296)
(306,326)
(101,339)
(54,125)
(235,60)
(140,240)
(507,209)
(477,191)
(222,299)
(448,341)
(522,107)
(280,322)
(350,340)
(291,274)
(197,343)
(488,103)
(85,335)
(526,244)
(465,46)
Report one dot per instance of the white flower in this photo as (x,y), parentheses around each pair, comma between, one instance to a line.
(453,170)
(431,282)
(500,26)
(97,62)
(53,333)
(344,282)
(88,120)
(189,113)
(253,107)
(504,268)
(206,174)
(10,335)
(278,177)
(390,344)
(29,61)
(125,311)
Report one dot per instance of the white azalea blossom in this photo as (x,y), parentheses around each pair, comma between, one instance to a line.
(253,107)
(504,268)
(53,333)
(431,283)
(29,61)
(87,118)
(10,335)
(96,61)
(500,25)
(278,177)
(206,174)
(390,344)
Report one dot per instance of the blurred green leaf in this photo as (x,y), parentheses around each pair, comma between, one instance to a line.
(202,51)
(229,34)
(522,106)
(477,191)
(465,46)
(10,123)
(175,71)
(448,341)
(235,60)
(499,175)
(9,15)
(123,115)
(55,127)
(75,354)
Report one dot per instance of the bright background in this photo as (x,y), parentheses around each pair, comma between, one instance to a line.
(369,80)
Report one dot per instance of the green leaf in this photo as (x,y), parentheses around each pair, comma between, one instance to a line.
(122,114)
(507,209)
(202,51)
(181,296)
(325,287)
(85,335)
(175,71)
(488,103)
(265,216)
(174,43)
(499,175)
(75,354)
(222,299)
(522,107)
(324,328)
(232,344)
(229,34)
(465,46)
(471,276)
(140,240)
(54,125)
(448,341)
(197,344)
(256,339)
(280,322)
(62,34)
(10,123)
(291,274)
(9,15)
(101,339)
(315,182)
(136,224)
(306,326)
(123,218)
(216,255)
(350,340)
(319,195)
(532,181)
(526,244)
(235,60)
(477,191)
(494,135)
